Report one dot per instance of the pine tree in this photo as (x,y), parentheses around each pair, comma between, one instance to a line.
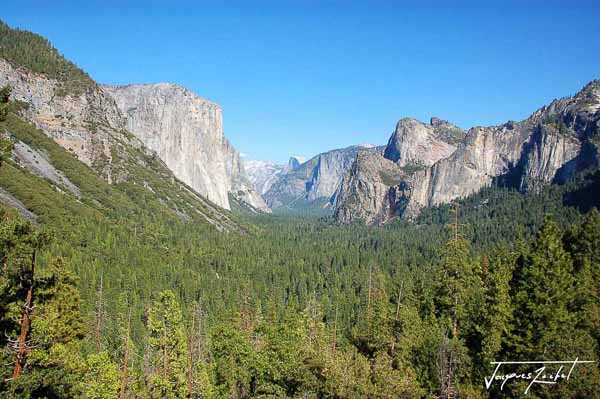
(19,245)
(459,295)
(233,357)
(4,101)
(123,338)
(168,343)
(498,310)
(101,378)
(346,374)
(543,291)
(544,324)
(584,247)
(373,331)
(54,366)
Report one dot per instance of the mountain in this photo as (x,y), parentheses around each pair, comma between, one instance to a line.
(92,157)
(294,162)
(262,174)
(426,165)
(312,183)
(186,131)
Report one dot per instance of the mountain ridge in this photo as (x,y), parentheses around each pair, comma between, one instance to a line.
(313,181)
(84,122)
(552,144)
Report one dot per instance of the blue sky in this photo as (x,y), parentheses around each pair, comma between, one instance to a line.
(308,76)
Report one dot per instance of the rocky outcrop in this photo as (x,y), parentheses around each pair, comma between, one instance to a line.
(372,190)
(416,143)
(39,164)
(262,174)
(11,201)
(315,180)
(240,186)
(550,146)
(87,123)
(186,131)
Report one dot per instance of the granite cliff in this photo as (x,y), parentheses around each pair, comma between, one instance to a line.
(63,103)
(186,131)
(427,165)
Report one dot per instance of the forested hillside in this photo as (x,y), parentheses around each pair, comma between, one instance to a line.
(132,303)
(31,51)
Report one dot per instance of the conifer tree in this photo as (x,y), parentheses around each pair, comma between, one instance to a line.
(459,294)
(543,292)
(101,378)
(168,342)
(373,331)
(544,323)
(584,247)
(54,366)
(498,311)
(233,357)
(4,101)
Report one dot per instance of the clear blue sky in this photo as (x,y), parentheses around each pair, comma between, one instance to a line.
(307,76)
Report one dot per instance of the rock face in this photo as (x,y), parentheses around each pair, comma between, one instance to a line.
(371,190)
(88,124)
(436,167)
(38,164)
(262,174)
(313,181)
(415,143)
(186,131)
(294,163)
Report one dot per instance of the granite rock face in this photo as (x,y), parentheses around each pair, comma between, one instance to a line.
(262,174)
(314,180)
(548,147)
(372,190)
(416,143)
(39,164)
(186,131)
(88,124)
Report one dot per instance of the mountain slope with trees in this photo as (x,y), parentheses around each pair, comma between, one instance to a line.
(122,289)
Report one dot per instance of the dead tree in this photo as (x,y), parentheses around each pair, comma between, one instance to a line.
(191,355)
(126,358)
(22,347)
(397,317)
(99,316)
(447,363)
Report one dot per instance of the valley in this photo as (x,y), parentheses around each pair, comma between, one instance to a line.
(143,256)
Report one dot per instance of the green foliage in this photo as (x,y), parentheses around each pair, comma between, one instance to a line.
(319,310)
(4,101)
(544,291)
(29,50)
(168,345)
(101,377)
(497,306)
